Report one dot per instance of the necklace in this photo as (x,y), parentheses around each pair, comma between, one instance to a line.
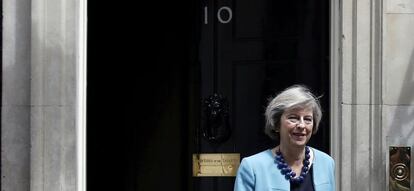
(287,171)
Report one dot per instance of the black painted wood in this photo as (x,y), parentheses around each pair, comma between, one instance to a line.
(150,65)
(268,46)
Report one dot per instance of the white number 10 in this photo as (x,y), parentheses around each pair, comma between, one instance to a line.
(219,17)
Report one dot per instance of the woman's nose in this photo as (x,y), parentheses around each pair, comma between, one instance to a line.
(301,123)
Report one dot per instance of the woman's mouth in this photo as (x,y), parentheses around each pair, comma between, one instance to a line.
(299,136)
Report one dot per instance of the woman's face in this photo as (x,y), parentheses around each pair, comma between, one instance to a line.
(296,126)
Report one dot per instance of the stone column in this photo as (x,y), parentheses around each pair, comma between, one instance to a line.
(43,106)
(357,102)
(56,51)
(15,105)
(372,85)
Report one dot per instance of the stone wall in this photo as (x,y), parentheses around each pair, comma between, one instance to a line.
(372,85)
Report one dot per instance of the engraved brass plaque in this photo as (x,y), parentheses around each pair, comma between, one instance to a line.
(399,169)
(215,164)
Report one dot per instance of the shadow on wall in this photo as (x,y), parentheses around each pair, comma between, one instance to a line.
(401,129)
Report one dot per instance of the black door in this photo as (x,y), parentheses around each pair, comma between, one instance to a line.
(249,51)
(150,66)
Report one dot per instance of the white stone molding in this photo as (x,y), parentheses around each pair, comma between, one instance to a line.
(44,95)
(356,94)
(57,121)
(81,94)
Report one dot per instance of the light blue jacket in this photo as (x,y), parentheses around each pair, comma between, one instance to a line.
(260,173)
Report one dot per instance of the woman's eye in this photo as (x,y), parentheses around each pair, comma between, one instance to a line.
(293,119)
(308,121)
(296,119)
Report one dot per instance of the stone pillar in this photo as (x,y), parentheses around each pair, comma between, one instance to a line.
(372,88)
(43,107)
(15,107)
(55,53)
(357,90)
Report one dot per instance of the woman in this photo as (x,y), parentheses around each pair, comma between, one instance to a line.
(291,117)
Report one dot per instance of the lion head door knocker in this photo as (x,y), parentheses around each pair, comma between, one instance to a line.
(216,126)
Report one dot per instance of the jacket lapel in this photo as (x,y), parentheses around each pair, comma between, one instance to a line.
(320,180)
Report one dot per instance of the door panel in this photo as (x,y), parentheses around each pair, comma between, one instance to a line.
(265,47)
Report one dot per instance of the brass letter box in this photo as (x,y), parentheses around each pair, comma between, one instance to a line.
(399,177)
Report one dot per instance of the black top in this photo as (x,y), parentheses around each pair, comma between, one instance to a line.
(307,184)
